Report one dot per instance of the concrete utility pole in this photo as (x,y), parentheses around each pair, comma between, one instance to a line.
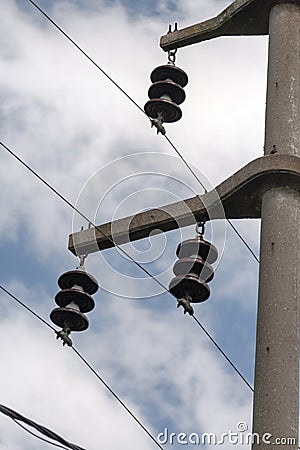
(268,187)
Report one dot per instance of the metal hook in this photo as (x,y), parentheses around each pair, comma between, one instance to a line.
(172,56)
(200,225)
(82,259)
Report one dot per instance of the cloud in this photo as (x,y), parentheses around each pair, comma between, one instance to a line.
(67,121)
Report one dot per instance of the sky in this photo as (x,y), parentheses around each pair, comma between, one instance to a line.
(80,133)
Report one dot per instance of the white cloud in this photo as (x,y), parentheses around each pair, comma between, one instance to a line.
(67,120)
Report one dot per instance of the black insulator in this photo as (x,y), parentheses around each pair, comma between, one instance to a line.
(169,72)
(69,318)
(197,246)
(80,278)
(169,110)
(189,287)
(173,90)
(84,301)
(196,266)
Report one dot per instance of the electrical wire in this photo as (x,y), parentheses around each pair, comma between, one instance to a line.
(104,235)
(73,207)
(16,417)
(140,109)
(223,353)
(186,163)
(117,398)
(50,433)
(27,308)
(243,240)
(81,214)
(87,56)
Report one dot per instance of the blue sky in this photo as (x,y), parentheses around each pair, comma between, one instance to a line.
(82,135)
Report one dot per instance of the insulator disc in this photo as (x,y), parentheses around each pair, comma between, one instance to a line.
(197,246)
(197,266)
(169,110)
(80,278)
(82,299)
(189,285)
(169,71)
(71,318)
(169,88)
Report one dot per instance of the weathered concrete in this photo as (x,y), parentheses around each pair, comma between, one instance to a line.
(276,396)
(237,197)
(242,17)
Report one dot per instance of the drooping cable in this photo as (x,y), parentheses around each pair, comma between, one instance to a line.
(17,417)
(37,436)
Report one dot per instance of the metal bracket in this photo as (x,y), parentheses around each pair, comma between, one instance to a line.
(64,336)
(158,123)
(187,307)
(241,18)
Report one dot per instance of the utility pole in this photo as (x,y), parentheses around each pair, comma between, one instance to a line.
(268,187)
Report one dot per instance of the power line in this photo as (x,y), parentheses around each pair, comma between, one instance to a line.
(223,353)
(27,308)
(138,106)
(50,434)
(116,397)
(16,417)
(186,163)
(87,56)
(103,234)
(243,240)
(56,192)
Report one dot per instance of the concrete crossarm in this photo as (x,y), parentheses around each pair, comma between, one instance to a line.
(242,17)
(239,195)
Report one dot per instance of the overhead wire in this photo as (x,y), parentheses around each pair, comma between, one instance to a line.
(140,109)
(169,141)
(56,192)
(42,429)
(27,307)
(145,270)
(73,207)
(223,353)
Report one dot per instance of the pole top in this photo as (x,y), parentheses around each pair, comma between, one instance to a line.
(241,18)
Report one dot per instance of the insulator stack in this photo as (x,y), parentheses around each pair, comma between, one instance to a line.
(166,93)
(193,270)
(74,300)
